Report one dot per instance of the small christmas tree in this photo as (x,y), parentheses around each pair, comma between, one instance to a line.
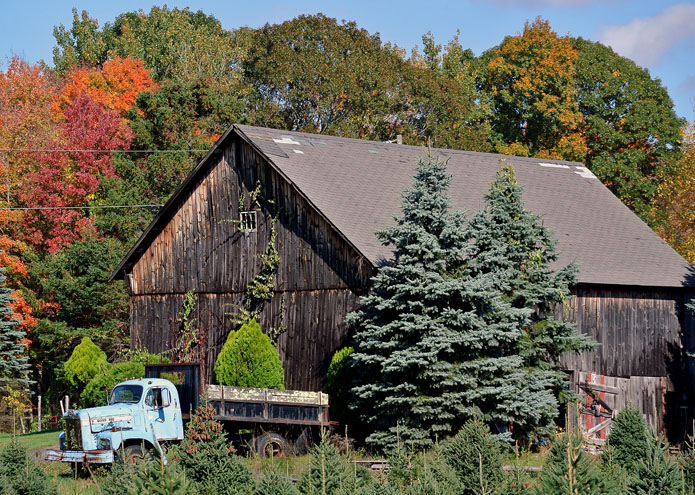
(475,455)
(568,469)
(14,361)
(249,359)
(330,473)
(656,473)
(627,441)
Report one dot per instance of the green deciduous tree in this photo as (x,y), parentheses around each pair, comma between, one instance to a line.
(85,362)
(632,131)
(14,360)
(94,393)
(248,359)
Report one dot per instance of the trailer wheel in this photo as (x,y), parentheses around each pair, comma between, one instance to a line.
(271,445)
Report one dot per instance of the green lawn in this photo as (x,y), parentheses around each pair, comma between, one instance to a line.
(32,441)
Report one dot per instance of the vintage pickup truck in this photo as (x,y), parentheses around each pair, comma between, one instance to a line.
(144,415)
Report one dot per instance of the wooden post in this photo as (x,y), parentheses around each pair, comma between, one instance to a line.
(39,415)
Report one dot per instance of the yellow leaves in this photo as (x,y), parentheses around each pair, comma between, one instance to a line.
(673,212)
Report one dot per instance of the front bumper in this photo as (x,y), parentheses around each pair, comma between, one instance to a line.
(86,457)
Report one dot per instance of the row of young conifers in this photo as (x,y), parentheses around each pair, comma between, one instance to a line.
(473,462)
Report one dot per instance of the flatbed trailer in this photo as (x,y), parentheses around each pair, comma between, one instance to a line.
(267,421)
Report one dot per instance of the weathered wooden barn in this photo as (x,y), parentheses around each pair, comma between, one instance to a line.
(328,195)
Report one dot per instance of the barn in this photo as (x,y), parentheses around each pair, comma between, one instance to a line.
(323,197)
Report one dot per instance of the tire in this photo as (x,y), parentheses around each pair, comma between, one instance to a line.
(133,454)
(271,445)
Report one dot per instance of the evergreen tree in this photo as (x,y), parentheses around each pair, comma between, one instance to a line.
(656,473)
(475,455)
(568,469)
(627,440)
(433,345)
(331,474)
(511,244)
(14,362)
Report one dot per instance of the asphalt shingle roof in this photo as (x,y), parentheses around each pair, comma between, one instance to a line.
(357,185)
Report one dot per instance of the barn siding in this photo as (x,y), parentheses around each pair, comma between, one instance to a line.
(320,275)
(640,331)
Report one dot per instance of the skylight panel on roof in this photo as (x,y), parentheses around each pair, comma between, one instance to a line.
(553,165)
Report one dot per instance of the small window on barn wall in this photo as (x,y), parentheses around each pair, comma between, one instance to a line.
(248,221)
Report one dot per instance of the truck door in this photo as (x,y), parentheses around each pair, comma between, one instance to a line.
(161,413)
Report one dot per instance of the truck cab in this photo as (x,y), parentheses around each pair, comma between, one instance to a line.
(141,415)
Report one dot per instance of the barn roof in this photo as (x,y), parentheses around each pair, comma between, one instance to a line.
(357,186)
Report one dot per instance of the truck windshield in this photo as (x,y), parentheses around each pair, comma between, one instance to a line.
(126,393)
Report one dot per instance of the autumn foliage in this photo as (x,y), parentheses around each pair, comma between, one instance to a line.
(115,85)
(71,178)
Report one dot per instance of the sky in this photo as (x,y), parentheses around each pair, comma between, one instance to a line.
(658,35)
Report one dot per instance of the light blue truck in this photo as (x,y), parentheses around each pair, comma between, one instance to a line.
(142,414)
(145,415)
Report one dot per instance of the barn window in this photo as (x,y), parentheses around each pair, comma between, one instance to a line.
(248,221)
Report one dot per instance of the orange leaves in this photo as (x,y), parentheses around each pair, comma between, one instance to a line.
(116,85)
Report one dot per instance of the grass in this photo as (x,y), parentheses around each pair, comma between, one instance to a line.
(32,441)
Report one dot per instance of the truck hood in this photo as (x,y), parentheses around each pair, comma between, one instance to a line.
(120,416)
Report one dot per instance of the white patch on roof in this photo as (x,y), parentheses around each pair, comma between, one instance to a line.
(286,140)
(584,172)
(374,152)
(298,151)
(553,165)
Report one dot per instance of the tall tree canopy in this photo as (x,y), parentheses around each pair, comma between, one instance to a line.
(632,131)
(529,80)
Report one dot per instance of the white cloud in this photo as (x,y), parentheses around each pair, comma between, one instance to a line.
(647,40)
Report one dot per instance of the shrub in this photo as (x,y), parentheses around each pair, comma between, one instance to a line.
(330,473)
(20,475)
(93,394)
(86,361)
(655,471)
(248,359)
(208,458)
(568,469)
(475,456)
(627,440)
(338,384)
(687,462)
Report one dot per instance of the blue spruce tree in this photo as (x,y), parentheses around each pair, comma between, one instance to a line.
(434,346)
(512,245)
(14,362)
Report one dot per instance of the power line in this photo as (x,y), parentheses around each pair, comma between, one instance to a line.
(100,207)
(38,150)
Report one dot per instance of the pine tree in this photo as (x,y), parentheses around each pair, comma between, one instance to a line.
(14,362)
(328,473)
(656,473)
(512,245)
(434,345)
(627,441)
(568,469)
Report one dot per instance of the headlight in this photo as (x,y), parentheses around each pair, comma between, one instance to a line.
(105,443)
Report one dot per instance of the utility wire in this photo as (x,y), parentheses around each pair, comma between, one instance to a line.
(37,150)
(102,207)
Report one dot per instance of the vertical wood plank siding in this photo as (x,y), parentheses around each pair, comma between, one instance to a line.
(202,248)
(640,331)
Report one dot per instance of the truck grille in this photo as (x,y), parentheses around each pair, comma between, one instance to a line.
(73,433)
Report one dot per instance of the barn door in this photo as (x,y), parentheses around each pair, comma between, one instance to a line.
(602,398)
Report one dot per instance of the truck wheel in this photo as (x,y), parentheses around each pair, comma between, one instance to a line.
(133,454)
(271,445)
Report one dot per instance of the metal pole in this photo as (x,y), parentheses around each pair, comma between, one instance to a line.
(39,414)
